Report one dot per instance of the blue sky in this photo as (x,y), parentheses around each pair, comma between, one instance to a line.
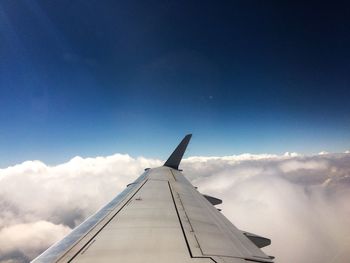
(97,77)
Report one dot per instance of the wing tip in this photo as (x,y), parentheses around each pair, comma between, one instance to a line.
(176,157)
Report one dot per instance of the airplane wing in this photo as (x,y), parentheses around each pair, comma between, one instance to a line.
(160,217)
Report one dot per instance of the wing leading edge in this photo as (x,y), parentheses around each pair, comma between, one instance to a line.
(160,217)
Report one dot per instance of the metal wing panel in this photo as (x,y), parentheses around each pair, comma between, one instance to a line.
(142,226)
(215,235)
(61,249)
(146,230)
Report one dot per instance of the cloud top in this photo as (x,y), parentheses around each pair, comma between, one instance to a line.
(300,202)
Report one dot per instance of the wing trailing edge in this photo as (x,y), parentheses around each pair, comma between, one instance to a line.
(176,157)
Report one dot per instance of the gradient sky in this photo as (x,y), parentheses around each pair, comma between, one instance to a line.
(93,78)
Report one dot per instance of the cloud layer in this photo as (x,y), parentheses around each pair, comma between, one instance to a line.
(300,202)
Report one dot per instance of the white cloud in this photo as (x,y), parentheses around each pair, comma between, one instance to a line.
(292,154)
(294,165)
(300,202)
(323,153)
(30,237)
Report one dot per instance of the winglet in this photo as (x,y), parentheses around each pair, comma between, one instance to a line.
(175,158)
